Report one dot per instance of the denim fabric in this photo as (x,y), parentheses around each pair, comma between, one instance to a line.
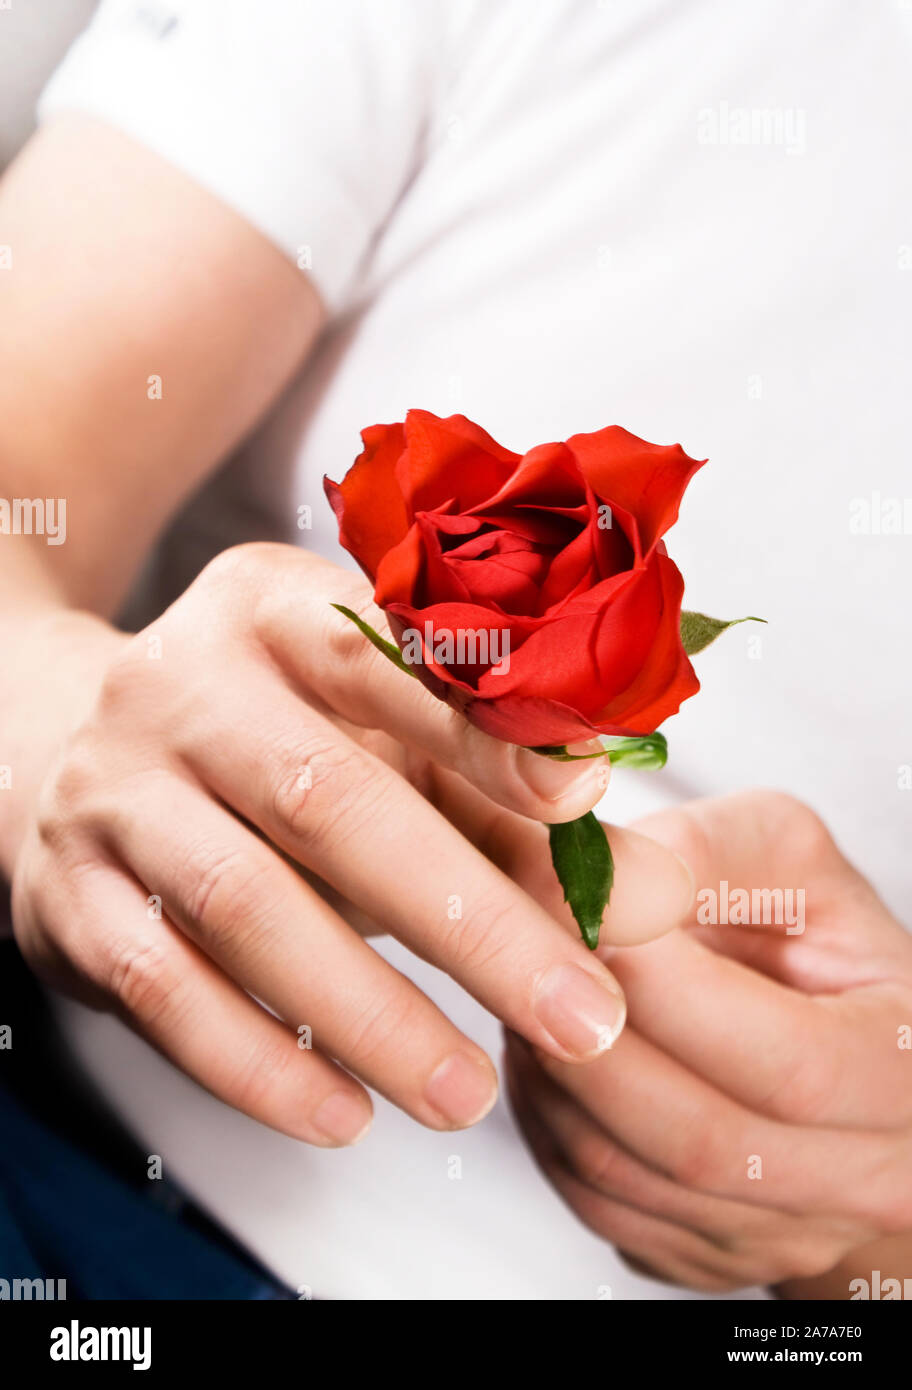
(75,1202)
(63,1216)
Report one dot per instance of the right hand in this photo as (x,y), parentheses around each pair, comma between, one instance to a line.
(252,718)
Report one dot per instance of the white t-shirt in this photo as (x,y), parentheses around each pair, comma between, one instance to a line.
(691,219)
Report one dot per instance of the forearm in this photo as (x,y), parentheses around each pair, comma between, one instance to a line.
(861,1274)
(104,295)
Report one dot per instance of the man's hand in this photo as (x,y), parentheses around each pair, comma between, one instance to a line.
(754,1122)
(250,718)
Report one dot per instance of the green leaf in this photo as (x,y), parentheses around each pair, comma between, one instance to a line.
(584,866)
(697,630)
(646,751)
(389,649)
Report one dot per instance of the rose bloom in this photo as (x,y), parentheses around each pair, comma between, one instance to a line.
(556,555)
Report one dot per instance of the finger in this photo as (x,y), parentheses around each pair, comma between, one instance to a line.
(325,654)
(829,1059)
(652,890)
(670,1253)
(743,838)
(605,1165)
(753,1244)
(768,870)
(809,964)
(344,814)
(170,993)
(843,945)
(275,935)
(678,1123)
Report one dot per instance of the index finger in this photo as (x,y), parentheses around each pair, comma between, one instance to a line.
(378,841)
(327,655)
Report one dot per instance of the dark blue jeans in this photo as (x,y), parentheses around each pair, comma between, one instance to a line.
(71,1206)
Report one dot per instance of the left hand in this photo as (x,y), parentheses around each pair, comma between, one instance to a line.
(753,1124)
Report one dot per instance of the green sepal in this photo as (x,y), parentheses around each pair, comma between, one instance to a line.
(698,631)
(389,649)
(646,751)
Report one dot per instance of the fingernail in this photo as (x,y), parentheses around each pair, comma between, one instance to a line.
(582,1014)
(462,1090)
(551,779)
(343,1118)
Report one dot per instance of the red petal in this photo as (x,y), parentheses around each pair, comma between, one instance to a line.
(450,459)
(647,480)
(591,650)
(530,722)
(368,503)
(401,570)
(666,678)
(458,618)
(499,568)
(547,476)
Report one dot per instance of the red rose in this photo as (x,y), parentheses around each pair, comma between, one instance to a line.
(554,557)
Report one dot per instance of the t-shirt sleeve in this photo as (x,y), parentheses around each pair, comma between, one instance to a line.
(306,116)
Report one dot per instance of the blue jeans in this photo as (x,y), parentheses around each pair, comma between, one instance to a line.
(70,1206)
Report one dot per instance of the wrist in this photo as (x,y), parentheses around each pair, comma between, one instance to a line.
(54,663)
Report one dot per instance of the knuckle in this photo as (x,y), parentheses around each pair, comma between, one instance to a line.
(344,645)
(237,564)
(244,579)
(76,775)
(805,1092)
(269,1069)
(477,941)
(697,1164)
(63,813)
(378,1030)
(287,578)
(128,681)
(322,792)
(55,905)
(792,820)
(139,977)
(597,1163)
(52,813)
(221,895)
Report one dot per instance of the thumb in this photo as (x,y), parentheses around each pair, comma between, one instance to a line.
(653,887)
(773,889)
